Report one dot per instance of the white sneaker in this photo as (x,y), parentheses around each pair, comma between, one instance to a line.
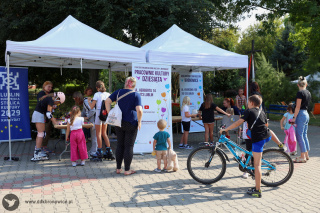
(74,164)
(245,175)
(82,163)
(181,146)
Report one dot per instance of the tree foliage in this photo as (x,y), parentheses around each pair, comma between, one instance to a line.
(262,41)
(304,14)
(275,86)
(133,22)
(287,56)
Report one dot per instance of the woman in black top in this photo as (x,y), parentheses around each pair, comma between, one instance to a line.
(206,113)
(44,108)
(301,118)
(46,92)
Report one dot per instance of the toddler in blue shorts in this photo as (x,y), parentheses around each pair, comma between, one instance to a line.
(260,134)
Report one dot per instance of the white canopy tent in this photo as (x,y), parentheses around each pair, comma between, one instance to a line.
(186,52)
(71,44)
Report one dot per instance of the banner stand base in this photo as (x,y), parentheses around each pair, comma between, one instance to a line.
(12,158)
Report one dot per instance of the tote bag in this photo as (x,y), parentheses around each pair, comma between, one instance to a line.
(115,115)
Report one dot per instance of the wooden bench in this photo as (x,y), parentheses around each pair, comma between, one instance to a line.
(279,109)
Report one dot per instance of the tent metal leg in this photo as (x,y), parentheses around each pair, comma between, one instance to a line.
(247,84)
(8,112)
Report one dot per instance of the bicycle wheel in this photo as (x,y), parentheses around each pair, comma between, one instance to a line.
(204,171)
(283,164)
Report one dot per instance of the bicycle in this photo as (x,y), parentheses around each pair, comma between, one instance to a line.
(276,165)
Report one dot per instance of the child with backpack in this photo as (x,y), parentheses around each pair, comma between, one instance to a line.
(260,134)
(90,115)
(100,126)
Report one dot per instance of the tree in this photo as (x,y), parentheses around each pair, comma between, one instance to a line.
(304,14)
(133,22)
(262,41)
(275,86)
(286,56)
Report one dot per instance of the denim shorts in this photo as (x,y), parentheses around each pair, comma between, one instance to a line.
(38,117)
(258,146)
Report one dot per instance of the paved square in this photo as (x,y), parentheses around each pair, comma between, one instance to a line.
(55,186)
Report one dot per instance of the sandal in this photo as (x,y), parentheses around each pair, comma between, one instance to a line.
(130,172)
(118,171)
(299,160)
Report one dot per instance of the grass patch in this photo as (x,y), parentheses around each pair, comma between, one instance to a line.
(314,120)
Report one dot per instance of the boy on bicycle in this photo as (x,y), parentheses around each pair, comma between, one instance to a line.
(260,134)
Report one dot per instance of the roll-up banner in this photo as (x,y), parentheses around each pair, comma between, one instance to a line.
(191,84)
(19,105)
(154,86)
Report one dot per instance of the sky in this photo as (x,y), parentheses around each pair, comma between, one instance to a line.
(243,25)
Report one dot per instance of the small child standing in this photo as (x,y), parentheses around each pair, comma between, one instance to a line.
(77,138)
(186,121)
(161,139)
(241,101)
(286,117)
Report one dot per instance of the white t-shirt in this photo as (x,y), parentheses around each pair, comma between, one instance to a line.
(184,110)
(99,97)
(77,123)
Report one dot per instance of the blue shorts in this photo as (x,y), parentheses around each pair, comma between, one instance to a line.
(258,146)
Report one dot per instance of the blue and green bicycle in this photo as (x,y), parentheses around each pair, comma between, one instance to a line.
(207,164)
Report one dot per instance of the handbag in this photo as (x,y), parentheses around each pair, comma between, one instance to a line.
(115,115)
(248,132)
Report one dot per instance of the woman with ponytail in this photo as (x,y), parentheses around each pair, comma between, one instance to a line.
(229,103)
(100,126)
(301,118)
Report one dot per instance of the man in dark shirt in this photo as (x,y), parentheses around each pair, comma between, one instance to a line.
(260,134)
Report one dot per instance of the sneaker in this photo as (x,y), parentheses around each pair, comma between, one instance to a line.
(254,193)
(82,163)
(245,175)
(188,146)
(74,164)
(293,153)
(181,146)
(164,170)
(157,170)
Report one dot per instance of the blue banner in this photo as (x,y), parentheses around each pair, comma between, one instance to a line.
(19,105)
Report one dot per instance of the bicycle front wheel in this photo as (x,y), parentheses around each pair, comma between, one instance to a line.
(283,165)
(205,169)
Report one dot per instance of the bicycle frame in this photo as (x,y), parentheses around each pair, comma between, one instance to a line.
(230,145)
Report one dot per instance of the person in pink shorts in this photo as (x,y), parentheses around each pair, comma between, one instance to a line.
(78,147)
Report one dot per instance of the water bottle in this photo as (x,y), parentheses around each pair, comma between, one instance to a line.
(238,153)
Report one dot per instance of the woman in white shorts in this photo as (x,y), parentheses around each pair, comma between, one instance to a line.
(100,126)
(44,108)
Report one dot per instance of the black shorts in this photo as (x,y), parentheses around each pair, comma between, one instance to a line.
(186,125)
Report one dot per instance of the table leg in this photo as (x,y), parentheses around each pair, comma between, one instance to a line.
(67,144)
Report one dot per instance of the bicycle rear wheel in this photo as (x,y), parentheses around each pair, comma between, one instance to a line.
(283,167)
(202,169)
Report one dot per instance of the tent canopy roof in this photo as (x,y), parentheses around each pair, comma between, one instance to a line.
(69,42)
(177,47)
